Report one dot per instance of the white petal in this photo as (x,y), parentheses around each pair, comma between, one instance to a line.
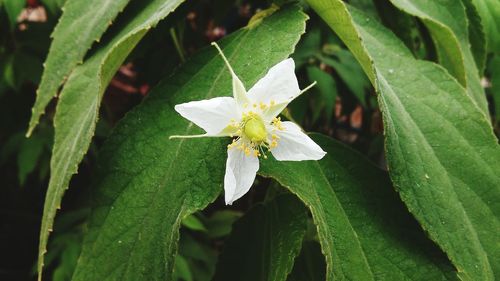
(240,174)
(239,92)
(279,85)
(211,115)
(295,145)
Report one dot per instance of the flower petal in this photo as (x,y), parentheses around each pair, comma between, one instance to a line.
(211,115)
(240,174)
(295,145)
(278,85)
(239,92)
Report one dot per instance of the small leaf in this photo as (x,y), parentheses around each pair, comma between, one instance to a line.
(264,242)
(326,87)
(477,37)
(351,73)
(220,223)
(489,10)
(13,9)
(28,156)
(193,223)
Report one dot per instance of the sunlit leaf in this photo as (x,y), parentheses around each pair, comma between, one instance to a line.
(363,228)
(147,183)
(441,152)
(78,106)
(82,23)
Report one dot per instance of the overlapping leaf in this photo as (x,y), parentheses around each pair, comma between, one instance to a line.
(489,10)
(148,184)
(364,230)
(78,107)
(441,151)
(265,242)
(82,23)
(447,21)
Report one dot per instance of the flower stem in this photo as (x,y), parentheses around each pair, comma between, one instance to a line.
(307,88)
(190,136)
(223,57)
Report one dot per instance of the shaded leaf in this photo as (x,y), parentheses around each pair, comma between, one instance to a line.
(220,223)
(264,242)
(477,37)
(309,265)
(193,223)
(28,156)
(13,9)
(326,87)
(489,10)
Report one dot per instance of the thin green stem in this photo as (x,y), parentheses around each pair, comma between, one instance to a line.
(177,44)
(190,136)
(223,57)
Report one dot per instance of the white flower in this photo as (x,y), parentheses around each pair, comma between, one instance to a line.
(251,119)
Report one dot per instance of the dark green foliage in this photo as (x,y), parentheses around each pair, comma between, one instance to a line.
(406,105)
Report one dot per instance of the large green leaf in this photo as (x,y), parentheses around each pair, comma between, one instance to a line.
(489,10)
(447,21)
(147,183)
(265,242)
(440,148)
(364,230)
(82,23)
(78,107)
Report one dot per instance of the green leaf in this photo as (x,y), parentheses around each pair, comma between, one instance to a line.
(364,230)
(13,9)
(77,110)
(193,223)
(82,23)
(440,148)
(310,264)
(326,87)
(494,68)
(265,242)
(448,24)
(147,183)
(181,269)
(28,156)
(219,224)
(351,73)
(199,254)
(489,10)
(477,37)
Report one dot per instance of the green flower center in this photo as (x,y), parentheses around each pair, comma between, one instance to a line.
(255,130)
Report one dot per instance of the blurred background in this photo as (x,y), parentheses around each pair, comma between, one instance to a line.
(342,105)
